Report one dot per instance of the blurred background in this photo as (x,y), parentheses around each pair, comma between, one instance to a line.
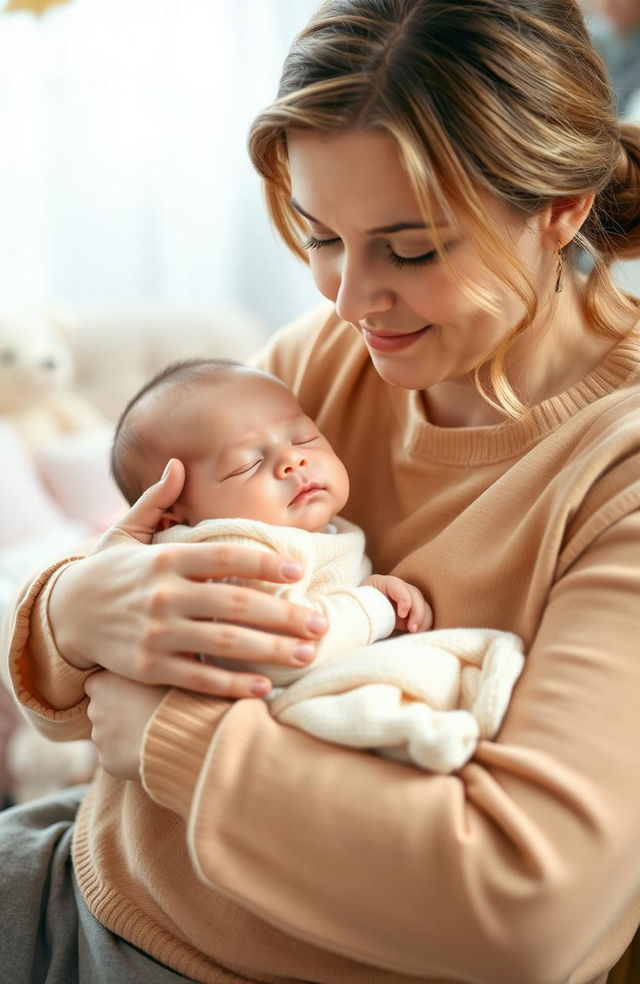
(124,176)
(132,233)
(123,170)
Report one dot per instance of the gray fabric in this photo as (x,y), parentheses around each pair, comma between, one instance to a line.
(47,934)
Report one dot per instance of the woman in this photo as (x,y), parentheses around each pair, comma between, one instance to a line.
(440,163)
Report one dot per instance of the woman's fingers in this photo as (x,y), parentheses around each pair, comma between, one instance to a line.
(222,639)
(239,605)
(141,522)
(211,561)
(119,711)
(189,673)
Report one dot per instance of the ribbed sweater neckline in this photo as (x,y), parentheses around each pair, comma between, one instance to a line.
(482,445)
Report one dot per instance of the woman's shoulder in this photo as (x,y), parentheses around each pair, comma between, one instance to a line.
(601,470)
(600,412)
(612,396)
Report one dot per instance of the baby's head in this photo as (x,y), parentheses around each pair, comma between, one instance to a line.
(248,448)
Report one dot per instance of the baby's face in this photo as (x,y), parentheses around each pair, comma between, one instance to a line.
(250,452)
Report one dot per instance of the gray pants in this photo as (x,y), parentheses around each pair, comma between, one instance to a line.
(47,934)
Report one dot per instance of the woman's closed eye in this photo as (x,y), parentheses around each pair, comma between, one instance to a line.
(314,243)
(398,261)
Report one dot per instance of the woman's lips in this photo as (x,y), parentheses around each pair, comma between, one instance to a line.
(392,343)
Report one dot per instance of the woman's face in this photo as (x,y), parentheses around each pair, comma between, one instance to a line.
(372,255)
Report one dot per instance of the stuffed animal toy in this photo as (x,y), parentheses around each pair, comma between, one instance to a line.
(36,371)
(55,445)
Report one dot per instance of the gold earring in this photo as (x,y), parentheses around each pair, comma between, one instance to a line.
(559,268)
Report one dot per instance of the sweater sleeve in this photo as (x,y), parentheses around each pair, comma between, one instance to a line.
(50,690)
(398,868)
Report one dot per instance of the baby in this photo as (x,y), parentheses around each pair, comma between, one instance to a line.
(259,472)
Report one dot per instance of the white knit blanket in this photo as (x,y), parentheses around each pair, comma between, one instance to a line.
(426,698)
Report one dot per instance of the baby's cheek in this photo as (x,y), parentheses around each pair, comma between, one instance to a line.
(341,485)
(207,502)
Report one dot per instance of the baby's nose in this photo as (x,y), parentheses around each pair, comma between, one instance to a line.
(290,461)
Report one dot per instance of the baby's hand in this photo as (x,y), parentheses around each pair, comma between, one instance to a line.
(413,613)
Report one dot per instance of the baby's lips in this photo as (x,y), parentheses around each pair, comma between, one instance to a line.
(308,487)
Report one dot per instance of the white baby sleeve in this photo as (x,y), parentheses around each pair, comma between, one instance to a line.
(357,617)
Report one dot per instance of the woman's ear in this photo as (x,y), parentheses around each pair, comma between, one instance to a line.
(563,218)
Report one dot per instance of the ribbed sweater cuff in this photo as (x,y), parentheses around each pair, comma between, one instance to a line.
(42,678)
(175,744)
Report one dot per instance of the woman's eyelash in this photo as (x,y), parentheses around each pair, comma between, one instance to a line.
(398,261)
(424,258)
(313,243)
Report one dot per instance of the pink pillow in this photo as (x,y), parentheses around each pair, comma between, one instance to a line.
(75,469)
(26,507)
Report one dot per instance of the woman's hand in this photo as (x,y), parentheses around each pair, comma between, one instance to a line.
(143,611)
(119,711)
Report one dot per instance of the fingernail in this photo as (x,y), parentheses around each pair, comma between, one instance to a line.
(167,469)
(304,652)
(291,570)
(317,623)
(260,688)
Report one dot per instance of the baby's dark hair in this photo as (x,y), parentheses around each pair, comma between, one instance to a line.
(130,449)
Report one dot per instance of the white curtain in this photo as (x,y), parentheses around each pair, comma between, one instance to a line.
(123,170)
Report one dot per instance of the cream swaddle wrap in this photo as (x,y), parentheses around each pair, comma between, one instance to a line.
(425,698)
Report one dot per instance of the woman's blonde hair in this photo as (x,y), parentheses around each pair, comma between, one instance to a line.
(507,96)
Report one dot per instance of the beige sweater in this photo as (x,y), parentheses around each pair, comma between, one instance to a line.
(263,854)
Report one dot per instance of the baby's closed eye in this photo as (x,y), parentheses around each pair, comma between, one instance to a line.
(243,469)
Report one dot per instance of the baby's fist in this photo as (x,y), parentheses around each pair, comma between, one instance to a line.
(413,612)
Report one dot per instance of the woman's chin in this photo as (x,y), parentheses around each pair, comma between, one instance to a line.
(403,375)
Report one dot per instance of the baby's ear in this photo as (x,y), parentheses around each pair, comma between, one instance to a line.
(167,520)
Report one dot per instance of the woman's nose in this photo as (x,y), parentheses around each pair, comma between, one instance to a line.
(361,293)
(289,461)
